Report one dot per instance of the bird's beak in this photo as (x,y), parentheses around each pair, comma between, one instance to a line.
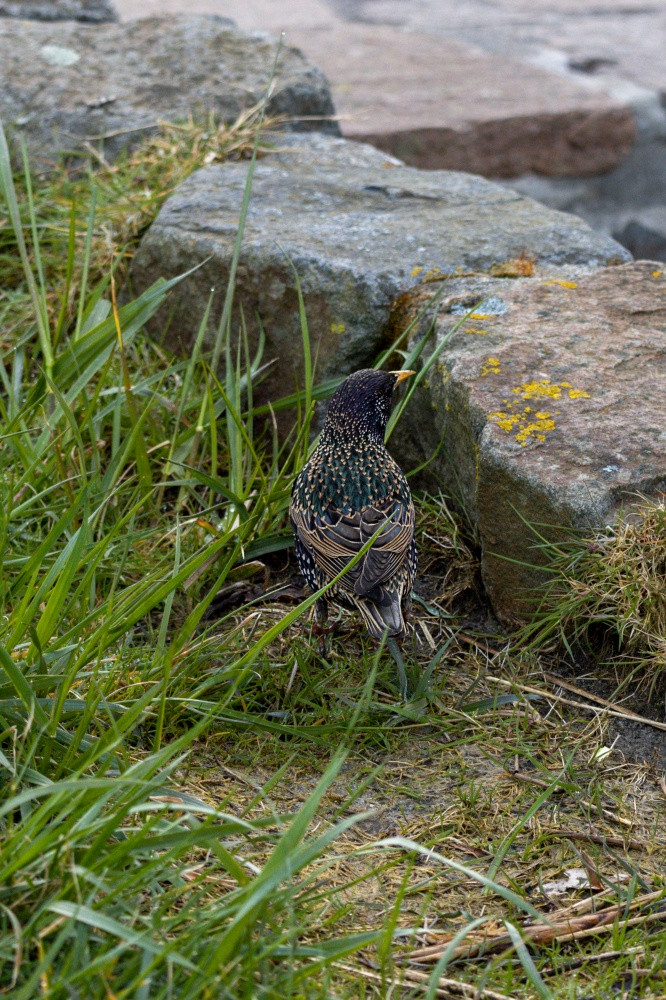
(400,376)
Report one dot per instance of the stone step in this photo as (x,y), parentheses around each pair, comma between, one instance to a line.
(438,103)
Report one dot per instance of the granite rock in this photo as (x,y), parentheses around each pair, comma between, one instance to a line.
(63,84)
(550,403)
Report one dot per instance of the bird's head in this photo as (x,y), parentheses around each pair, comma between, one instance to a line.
(361,406)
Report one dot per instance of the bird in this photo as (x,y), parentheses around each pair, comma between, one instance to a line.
(349,490)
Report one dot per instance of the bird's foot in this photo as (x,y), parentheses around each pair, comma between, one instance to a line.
(319,629)
(323,634)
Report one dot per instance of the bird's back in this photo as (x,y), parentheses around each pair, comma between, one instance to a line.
(348,491)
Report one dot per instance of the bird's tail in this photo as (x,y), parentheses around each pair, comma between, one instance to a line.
(382,612)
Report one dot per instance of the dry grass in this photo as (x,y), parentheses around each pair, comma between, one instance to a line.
(492,765)
(457,771)
(609,595)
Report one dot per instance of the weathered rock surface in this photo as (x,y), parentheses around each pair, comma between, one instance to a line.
(59,10)
(65,84)
(551,401)
(359,228)
(459,108)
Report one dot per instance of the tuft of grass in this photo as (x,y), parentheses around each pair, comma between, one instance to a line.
(89,217)
(608,594)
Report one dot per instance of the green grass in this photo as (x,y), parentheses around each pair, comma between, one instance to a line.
(212,807)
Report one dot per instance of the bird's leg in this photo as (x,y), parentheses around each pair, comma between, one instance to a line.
(319,626)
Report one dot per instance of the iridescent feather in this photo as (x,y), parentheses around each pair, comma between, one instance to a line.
(349,490)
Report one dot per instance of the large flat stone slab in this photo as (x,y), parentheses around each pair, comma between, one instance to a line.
(359,228)
(625,36)
(552,405)
(546,94)
(65,84)
(437,103)
(94,11)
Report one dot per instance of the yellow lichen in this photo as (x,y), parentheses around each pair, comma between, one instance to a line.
(535,429)
(531,425)
(491,367)
(337,328)
(415,272)
(542,387)
(562,284)
(505,420)
(476,329)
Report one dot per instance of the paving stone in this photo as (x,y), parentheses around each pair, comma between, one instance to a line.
(459,108)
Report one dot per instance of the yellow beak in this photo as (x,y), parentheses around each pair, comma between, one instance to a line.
(401,375)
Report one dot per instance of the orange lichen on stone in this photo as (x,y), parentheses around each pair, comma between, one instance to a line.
(415,272)
(518,267)
(476,329)
(560,282)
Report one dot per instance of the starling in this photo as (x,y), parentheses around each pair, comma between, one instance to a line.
(350,489)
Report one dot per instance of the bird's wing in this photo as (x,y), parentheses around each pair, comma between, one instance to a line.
(334,538)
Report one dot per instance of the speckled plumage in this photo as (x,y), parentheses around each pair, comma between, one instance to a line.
(350,489)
